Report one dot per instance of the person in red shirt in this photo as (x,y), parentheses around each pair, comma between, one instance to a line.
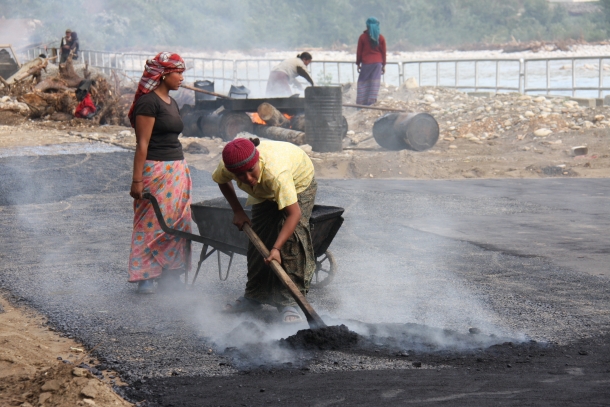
(85,109)
(370,59)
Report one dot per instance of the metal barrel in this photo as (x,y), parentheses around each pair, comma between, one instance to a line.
(239,92)
(324,124)
(190,117)
(204,85)
(383,132)
(208,124)
(419,131)
(406,131)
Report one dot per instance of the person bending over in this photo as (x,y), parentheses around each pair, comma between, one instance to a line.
(279,180)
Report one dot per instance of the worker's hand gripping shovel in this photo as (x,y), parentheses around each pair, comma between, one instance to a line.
(313,318)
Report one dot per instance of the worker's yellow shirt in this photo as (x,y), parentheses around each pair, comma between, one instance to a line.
(286,171)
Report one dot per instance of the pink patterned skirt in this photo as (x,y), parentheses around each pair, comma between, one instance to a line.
(152,250)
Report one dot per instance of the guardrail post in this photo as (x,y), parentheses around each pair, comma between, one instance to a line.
(522,75)
(601,79)
(476,76)
(573,77)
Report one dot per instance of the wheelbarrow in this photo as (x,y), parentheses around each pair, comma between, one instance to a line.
(214,219)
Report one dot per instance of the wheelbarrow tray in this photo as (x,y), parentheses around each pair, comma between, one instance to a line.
(214,219)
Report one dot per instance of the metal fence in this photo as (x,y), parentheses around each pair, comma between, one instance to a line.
(569,76)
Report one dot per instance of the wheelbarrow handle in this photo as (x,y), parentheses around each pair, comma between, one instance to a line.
(175,232)
(313,318)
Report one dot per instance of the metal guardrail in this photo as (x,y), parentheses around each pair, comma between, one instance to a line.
(560,76)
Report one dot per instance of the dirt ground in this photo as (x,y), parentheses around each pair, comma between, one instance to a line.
(40,367)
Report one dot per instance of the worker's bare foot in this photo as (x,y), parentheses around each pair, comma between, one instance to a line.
(290,315)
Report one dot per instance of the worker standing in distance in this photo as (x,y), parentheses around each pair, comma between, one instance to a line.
(371,60)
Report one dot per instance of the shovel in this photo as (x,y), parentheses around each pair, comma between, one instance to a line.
(313,318)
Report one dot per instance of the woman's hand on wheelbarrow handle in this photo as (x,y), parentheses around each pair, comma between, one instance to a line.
(240,218)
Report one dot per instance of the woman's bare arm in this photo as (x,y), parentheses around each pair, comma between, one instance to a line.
(144,127)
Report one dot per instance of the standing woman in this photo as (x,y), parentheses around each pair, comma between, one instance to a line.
(370,59)
(285,74)
(159,168)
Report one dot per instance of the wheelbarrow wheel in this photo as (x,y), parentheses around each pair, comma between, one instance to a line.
(326,268)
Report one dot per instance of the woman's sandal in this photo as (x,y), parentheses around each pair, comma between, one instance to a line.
(242,304)
(290,315)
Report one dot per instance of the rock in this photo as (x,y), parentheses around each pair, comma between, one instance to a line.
(50,385)
(498,104)
(429,99)
(350,133)
(474,331)
(44,397)
(410,83)
(416,364)
(25,404)
(539,99)
(529,113)
(196,148)
(599,117)
(525,97)
(89,401)
(89,390)
(542,132)
(452,146)
(481,94)
(307,148)
(79,372)
(125,133)
(585,102)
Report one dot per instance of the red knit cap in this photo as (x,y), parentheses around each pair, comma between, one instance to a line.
(239,155)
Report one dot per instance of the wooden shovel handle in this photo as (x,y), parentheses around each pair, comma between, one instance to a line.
(313,318)
(207,92)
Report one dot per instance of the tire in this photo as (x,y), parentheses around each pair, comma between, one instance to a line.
(326,269)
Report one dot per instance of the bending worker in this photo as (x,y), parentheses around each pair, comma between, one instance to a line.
(285,74)
(279,179)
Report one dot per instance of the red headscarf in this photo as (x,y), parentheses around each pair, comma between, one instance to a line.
(239,155)
(162,64)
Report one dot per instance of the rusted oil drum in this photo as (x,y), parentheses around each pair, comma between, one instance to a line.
(324,125)
(410,131)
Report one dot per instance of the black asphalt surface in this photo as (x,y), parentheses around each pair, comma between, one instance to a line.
(420,262)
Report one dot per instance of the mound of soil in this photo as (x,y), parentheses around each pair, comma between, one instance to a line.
(328,338)
(61,385)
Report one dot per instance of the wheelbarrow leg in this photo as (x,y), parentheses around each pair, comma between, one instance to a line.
(202,257)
